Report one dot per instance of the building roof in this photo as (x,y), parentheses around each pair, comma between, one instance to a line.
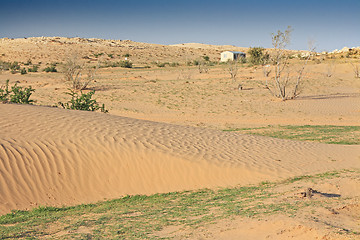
(235,52)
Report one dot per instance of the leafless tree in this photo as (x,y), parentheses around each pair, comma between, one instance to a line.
(285,77)
(330,68)
(266,70)
(356,69)
(203,67)
(233,69)
(77,74)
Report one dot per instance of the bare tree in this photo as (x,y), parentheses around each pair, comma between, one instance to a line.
(285,76)
(77,74)
(233,69)
(356,69)
(203,67)
(330,68)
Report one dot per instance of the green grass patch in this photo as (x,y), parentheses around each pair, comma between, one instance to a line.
(349,135)
(140,216)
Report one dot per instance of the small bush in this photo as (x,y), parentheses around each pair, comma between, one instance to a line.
(82,101)
(33,69)
(16,94)
(127,55)
(258,56)
(126,64)
(28,62)
(206,58)
(159,64)
(15,66)
(23,71)
(50,69)
(4,66)
(98,54)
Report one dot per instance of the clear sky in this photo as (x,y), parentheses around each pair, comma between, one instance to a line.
(330,23)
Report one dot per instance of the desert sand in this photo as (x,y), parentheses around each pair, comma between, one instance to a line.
(163,132)
(58,157)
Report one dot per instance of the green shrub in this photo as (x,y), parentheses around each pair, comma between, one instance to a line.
(82,102)
(4,92)
(98,54)
(4,66)
(196,62)
(33,69)
(258,56)
(50,69)
(160,64)
(16,94)
(126,64)
(127,55)
(206,58)
(28,62)
(174,64)
(23,71)
(15,66)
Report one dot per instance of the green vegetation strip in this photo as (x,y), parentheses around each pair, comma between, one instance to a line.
(139,217)
(349,135)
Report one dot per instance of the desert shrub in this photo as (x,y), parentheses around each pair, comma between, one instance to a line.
(34,68)
(4,92)
(23,71)
(50,69)
(15,66)
(82,101)
(127,55)
(126,64)
(174,64)
(195,62)
(77,74)
(110,55)
(17,94)
(98,54)
(258,56)
(159,64)
(28,62)
(4,66)
(206,58)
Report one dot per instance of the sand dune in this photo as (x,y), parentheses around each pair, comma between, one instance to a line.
(51,156)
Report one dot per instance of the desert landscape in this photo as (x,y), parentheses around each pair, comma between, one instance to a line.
(186,149)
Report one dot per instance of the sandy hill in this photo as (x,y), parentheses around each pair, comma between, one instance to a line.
(52,156)
(56,49)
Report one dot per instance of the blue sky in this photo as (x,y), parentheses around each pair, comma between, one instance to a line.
(330,23)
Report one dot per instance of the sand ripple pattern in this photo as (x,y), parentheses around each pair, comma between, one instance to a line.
(51,156)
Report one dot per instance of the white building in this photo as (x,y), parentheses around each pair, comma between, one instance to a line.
(230,55)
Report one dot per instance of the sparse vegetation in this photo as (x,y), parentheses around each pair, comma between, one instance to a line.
(16,94)
(257,56)
(74,73)
(82,101)
(123,64)
(349,135)
(23,71)
(34,68)
(286,81)
(141,217)
(50,69)
(356,69)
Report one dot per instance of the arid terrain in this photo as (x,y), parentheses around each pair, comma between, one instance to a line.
(178,122)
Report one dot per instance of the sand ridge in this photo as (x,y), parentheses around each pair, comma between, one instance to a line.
(51,156)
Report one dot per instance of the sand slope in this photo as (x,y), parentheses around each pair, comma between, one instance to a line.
(51,156)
